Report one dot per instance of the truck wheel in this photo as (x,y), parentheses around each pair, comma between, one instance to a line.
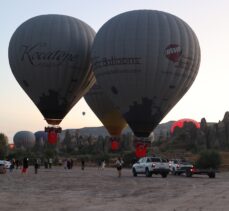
(148,174)
(134,172)
(164,175)
(211,175)
(188,173)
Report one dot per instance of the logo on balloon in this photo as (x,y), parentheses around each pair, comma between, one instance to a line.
(173,52)
(104,62)
(40,55)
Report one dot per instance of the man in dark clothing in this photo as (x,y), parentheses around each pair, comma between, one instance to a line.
(82,164)
(25,165)
(36,166)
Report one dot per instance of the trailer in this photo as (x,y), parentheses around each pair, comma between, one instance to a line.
(191,171)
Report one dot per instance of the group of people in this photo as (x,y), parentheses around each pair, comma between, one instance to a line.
(24,165)
(14,164)
(101,164)
(48,162)
(68,164)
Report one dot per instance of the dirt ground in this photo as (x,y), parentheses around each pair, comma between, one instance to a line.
(101,190)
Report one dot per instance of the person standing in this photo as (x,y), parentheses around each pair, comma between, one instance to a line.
(25,165)
(82,164)
(119,163)
(50,163)
(12,163)
(65,164)
(39,162)
(46,163)
(71,163)
(68,164)
(36,166)
(17,163)
(103,165)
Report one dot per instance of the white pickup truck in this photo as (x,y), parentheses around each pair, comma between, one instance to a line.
(178,166)
(151,165)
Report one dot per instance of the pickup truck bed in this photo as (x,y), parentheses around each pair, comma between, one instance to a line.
(162,171)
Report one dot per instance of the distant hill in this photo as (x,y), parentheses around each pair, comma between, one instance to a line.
(94,131)
(161,129)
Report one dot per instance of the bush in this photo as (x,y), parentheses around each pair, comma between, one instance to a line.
(3,146)
(209,159)
(129,158)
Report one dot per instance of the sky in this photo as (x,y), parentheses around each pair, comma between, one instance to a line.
(208,96)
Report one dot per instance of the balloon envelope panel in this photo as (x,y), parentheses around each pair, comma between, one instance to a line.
(145,61)
(50,57)
(105,110)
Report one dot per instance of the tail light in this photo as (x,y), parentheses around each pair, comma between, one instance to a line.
(178,166)
(193,169)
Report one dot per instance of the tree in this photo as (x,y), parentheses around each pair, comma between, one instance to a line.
(3,146)
(67,142)
(209,159)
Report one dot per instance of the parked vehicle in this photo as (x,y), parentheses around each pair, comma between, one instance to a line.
(6,163)
(173,164)
(178,166)
(151,165)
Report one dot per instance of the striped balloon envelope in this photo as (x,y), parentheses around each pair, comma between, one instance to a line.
(49,56)
(145,61)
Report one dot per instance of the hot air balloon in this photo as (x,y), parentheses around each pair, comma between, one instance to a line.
(105,110)
(180,123)
(41,138)
(145,61)
(50,58)
(107,113)
(25,139)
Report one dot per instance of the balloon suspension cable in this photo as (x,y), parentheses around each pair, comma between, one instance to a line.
(142,140)
(113,137)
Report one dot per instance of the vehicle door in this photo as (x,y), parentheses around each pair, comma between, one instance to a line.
(138,164)
(142,165)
